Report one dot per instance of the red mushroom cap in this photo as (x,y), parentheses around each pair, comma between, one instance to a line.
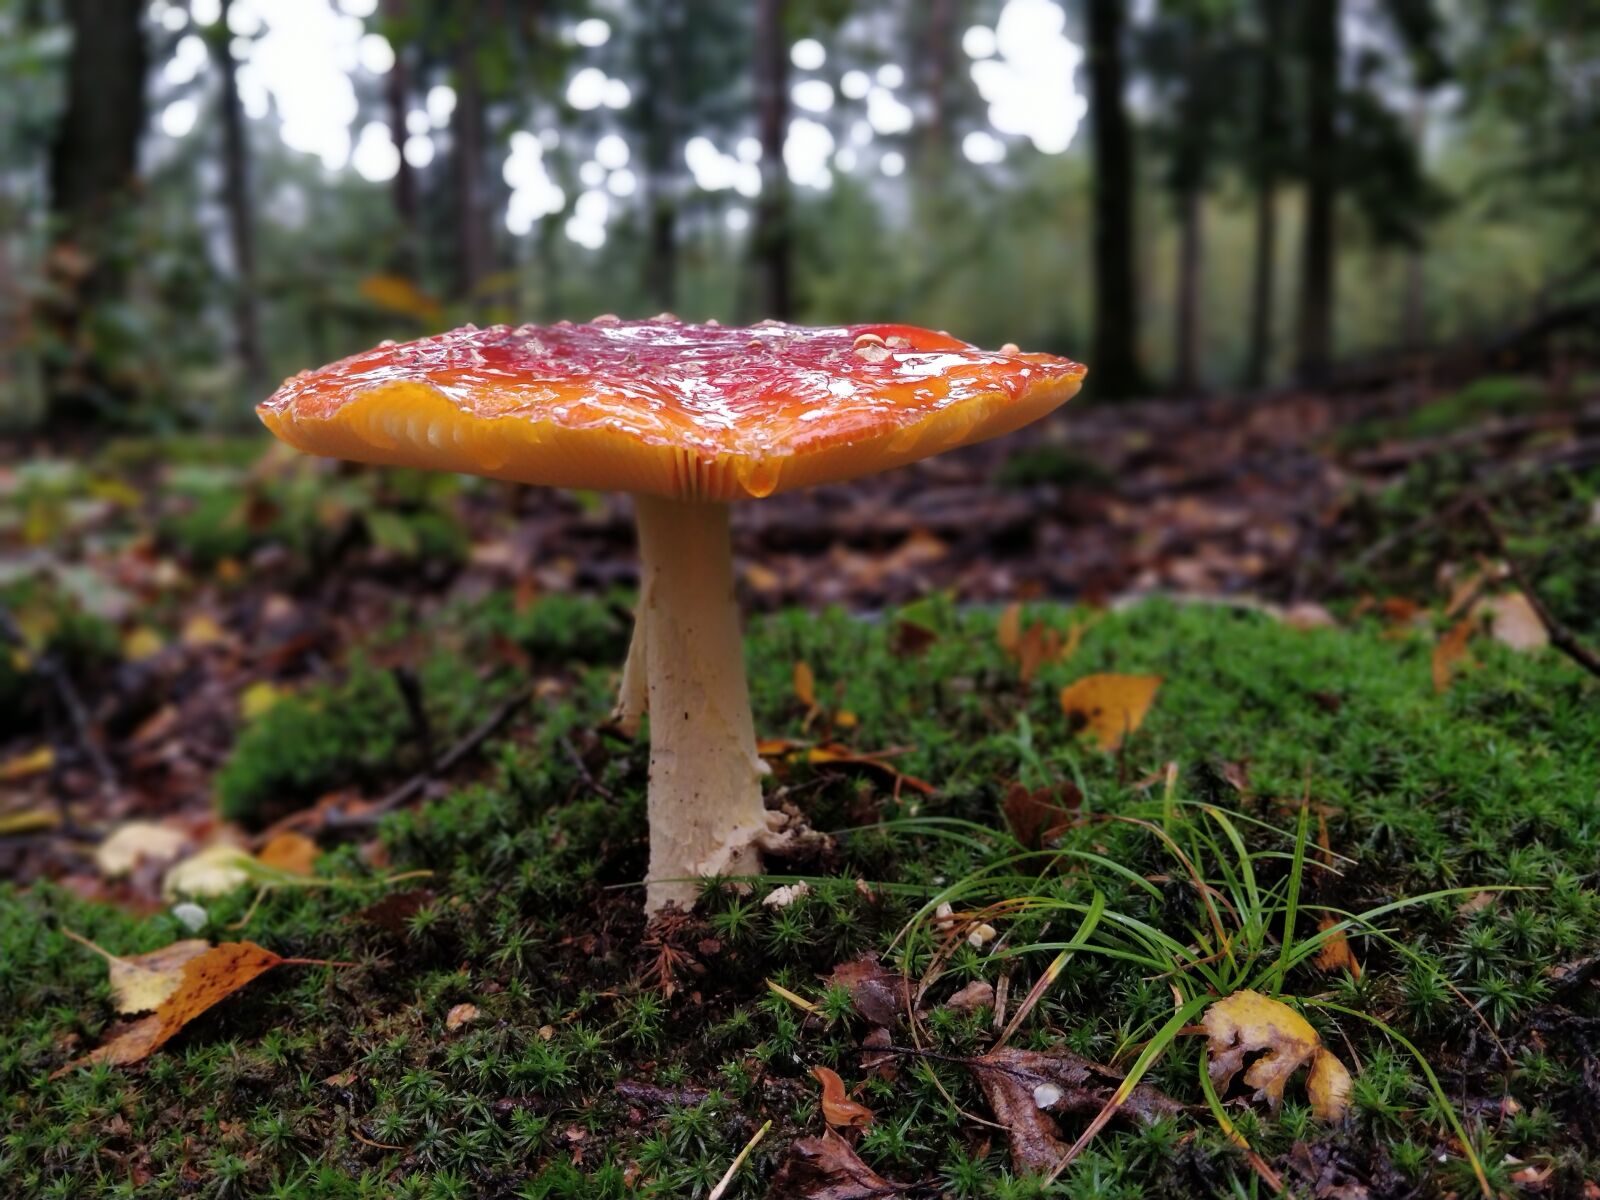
(686,411)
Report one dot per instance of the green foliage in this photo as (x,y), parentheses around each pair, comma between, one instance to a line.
(530,916)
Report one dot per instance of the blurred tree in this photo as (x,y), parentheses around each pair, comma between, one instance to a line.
(93,177)
(238,204)
(1320,45)
(773,238)
(1115,357)
(1265,158)
(401,31)
(473,244)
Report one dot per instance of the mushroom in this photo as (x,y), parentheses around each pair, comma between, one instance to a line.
(687,418)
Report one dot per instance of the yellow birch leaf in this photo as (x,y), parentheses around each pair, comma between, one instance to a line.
(1109,707)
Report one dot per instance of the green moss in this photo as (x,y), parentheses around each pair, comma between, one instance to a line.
(531,916)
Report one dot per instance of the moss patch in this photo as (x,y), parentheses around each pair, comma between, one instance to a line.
(582,1077)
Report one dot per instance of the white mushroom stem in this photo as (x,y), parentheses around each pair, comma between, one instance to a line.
(706,815)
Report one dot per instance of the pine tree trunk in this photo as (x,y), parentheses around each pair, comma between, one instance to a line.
(241,218)
(93,175)
(773,236)
(661,85)
(1264,265)
(1115,361)
(467,130)
(1315,341)
(1186,334)
(938,67)
(407,198)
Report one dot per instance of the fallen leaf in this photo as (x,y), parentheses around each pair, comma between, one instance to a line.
(878,994)
(1008,630)
(138,841)
(826,1168)
(1398,610)
(459,1015)
(1450,654)
(258,699)
(291,852)
(910,640)
(1306,614)
(977,994)
(1514,622)
(1039,815)
(1247,1023)
(1336,953)
(805,685)
(1039,644)
(1108,707)
(1023,1087)
(142,982)
(837,1108)
(203,629)
(140,643)
(34,762)
(215,871)
(29,820)
(207,979)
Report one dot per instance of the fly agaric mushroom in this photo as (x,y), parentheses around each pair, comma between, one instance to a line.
(687,418)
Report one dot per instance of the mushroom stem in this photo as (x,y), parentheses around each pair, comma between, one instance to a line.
(633,693)
(706,814)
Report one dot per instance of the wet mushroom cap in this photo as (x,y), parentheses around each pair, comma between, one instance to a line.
(690,412)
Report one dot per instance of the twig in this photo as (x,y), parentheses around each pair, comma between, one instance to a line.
(405,679)
(584,773)
(446,762)
(1518,472)
(722,1186)
(1561,637)
(77,714)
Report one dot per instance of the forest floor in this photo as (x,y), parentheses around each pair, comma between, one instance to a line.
(357,719)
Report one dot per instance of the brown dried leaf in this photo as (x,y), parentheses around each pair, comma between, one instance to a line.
(459,1015)
(291,852)
(1037,816)
(1248,1023)
(826,1168)
(141,982)
(1450,654)
(1108,706)
(1008,630)
(910,640)
(1514,622)
(208,979)
(877,992)
(1024,1086)
(1040,644)
(838,1109)
(1336,953)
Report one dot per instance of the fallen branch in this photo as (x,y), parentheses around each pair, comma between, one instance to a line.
(72,704)
(1561,636)
(446,762)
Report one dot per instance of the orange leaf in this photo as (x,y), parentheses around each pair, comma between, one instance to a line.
(805,684)
(291,852)
(399,294)
(1008,631)
(1450,654)
(1108,707)
(207,980)
(1336,952)
(1040,644)
(837,1108)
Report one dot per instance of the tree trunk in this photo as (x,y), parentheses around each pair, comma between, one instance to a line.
(773,238)
(407,199)
(661,83)
(1315,342)
(93,174)
(938,68)
(1269,99)
(1186,334)
(237,202)
(467,131)
(1116,361)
